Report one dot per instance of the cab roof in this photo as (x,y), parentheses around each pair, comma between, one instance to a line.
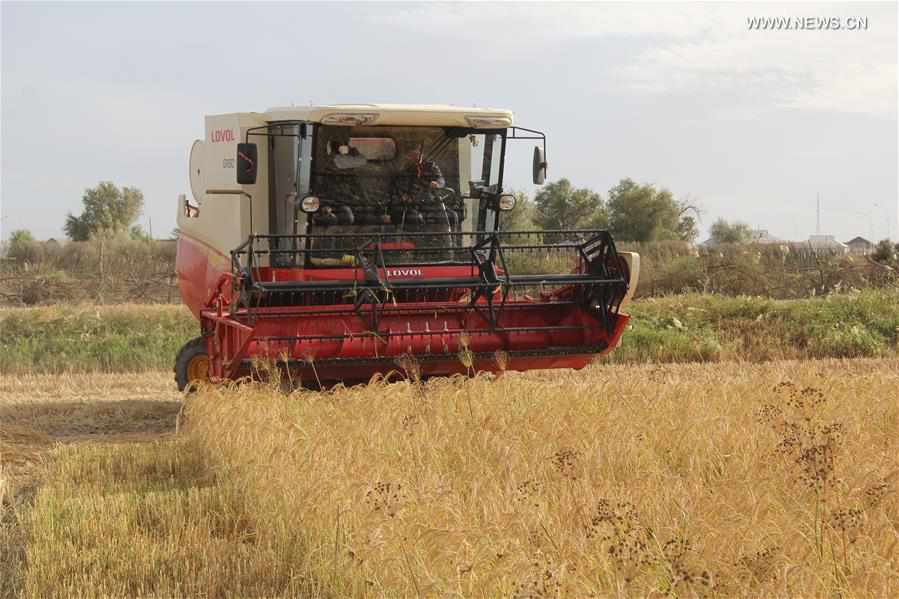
(434,115)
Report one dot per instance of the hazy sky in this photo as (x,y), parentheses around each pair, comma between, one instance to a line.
(750,125)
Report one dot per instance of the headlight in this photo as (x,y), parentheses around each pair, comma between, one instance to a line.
(310,204)
(506,202)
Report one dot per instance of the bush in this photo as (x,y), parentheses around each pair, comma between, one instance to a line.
(648,340)
(847,341)
(683,274)
(50,272)
(884,252)
(50,287)
(26,253)
(93,339)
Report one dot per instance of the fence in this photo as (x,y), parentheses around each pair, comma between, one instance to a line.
(111,271)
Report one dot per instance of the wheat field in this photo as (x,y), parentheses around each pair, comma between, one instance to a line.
(705,480)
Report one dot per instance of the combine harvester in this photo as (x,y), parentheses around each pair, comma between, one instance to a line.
(343,241)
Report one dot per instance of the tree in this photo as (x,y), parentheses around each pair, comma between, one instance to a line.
(21,236)
(561,206)
(137,233)
(725,232)
(76,228)
(108,211)
(521,217)
(22,247)
(884,251)
(643,213)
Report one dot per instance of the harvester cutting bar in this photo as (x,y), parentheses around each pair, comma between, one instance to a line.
(411,333)
(356,307)
(396,309)
(445,339)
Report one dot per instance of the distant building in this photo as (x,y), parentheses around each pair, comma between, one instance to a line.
(860,246)
(762,236)
(827,243)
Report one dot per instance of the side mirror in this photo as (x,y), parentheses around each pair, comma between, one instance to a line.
(246,164)
(506,202)
(539,166)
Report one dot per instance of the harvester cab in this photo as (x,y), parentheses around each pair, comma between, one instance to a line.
(337,242)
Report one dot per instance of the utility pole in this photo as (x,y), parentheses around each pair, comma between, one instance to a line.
(874,208)
(818,224)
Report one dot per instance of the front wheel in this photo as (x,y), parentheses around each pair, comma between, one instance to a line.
(192,364)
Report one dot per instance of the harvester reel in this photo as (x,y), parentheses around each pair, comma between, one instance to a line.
(484,255)
(368,296)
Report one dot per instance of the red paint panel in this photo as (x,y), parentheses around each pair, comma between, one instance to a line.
(197,276)
(436,333)
(435,337)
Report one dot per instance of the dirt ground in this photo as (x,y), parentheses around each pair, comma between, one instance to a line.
(37,412)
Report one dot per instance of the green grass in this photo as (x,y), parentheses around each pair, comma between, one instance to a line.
(709,327)
(680,328)
(118,338)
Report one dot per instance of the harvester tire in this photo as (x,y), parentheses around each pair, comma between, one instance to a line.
(192,364)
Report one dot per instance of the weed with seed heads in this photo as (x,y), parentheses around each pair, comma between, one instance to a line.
(627,542)
(566,462)
(542,580)
(812,447)
(760,566)
(385,497)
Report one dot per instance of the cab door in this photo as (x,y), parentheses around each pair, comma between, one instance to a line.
(490,169)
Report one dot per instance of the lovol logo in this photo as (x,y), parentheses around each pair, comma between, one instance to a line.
(403,272)
(221,135)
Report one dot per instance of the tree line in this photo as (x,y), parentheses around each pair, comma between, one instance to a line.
(632,212)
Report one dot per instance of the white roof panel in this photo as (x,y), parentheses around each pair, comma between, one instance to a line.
(396,114)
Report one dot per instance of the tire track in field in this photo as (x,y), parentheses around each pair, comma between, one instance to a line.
(39,411)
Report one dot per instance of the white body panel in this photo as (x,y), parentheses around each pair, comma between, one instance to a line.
(222,221)
(633,265)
